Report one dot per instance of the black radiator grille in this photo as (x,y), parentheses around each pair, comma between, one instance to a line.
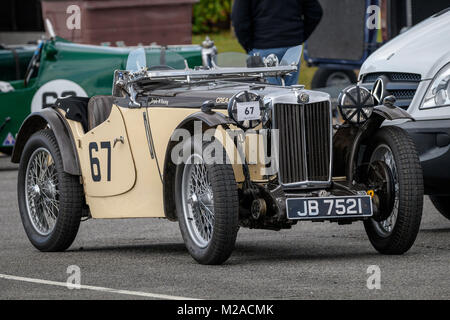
(392,76)
(402,86)
(304,142)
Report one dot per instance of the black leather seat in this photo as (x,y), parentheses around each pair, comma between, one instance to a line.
(99,109)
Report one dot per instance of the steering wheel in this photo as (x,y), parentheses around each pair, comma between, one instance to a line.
(34,63)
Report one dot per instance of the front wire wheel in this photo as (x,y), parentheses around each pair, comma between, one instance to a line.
(397,233)
(198,201)
(50,200)
(384,154)
(207,206)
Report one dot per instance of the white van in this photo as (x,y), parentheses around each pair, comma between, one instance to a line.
(415,68)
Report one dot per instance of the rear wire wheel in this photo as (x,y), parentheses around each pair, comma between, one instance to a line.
(207,207)
(50,200)
(397,230)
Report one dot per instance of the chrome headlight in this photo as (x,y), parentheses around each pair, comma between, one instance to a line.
(356,104)
(438,94)
(246,109)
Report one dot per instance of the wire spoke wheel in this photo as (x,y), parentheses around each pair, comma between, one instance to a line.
(207,205)
(198,201)
(384,153)
(41,191)
(50,200)
(392,155)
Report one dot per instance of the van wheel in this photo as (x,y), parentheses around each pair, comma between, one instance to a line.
(50,200)
(207,206)
(397,230)
(442,204)
(333,77)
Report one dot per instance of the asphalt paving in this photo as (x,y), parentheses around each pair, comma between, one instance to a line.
(147,257)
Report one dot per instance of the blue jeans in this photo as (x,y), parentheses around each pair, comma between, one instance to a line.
(291,79)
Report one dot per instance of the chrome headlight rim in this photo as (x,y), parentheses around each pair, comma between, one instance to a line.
(439,88)
(356,104)
(242,97)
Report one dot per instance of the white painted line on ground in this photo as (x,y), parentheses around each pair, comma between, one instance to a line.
(94,288)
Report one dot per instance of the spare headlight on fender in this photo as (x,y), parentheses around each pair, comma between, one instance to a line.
(356,104)
(246,109)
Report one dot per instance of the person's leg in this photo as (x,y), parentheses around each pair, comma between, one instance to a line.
(279,52)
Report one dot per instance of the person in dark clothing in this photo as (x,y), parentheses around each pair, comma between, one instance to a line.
(273,26)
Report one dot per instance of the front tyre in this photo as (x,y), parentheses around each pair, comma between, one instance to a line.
(398,229)
(50,200)
(207,207)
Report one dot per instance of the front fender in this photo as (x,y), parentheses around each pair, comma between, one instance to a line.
(209,120)
(212,120)
(392,113)
(54,120)
(348,139)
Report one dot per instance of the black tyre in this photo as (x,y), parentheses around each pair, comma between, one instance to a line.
(333,77)
(442,204)
(50,200)
(207,207)
(397,230)
(7,151)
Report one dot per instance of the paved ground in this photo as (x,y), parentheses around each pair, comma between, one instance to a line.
(310,261)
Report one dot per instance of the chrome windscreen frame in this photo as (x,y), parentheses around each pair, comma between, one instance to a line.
(189,75)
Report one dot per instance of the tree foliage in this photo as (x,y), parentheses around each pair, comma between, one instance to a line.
(211,16)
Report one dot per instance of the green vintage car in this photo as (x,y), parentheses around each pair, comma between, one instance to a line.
(59,68)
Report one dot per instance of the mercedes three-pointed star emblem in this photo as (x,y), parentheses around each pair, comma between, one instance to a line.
(378,90)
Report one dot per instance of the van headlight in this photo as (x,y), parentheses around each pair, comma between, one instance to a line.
(438,94)
(356,104)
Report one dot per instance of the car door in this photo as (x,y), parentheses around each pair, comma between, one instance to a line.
(107,163)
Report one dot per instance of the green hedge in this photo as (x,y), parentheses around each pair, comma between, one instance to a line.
(211,16)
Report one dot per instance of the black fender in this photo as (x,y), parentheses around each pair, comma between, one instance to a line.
(212,119)
(209,121)
(392,113)
(55,121)
(348,139)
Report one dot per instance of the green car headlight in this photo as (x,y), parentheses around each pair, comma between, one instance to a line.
(438,94)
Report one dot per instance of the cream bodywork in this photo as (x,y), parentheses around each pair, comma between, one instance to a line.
(135,188)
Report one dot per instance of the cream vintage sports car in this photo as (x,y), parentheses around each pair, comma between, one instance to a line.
(217,148)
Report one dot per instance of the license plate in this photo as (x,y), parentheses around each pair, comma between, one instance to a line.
(329,207)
